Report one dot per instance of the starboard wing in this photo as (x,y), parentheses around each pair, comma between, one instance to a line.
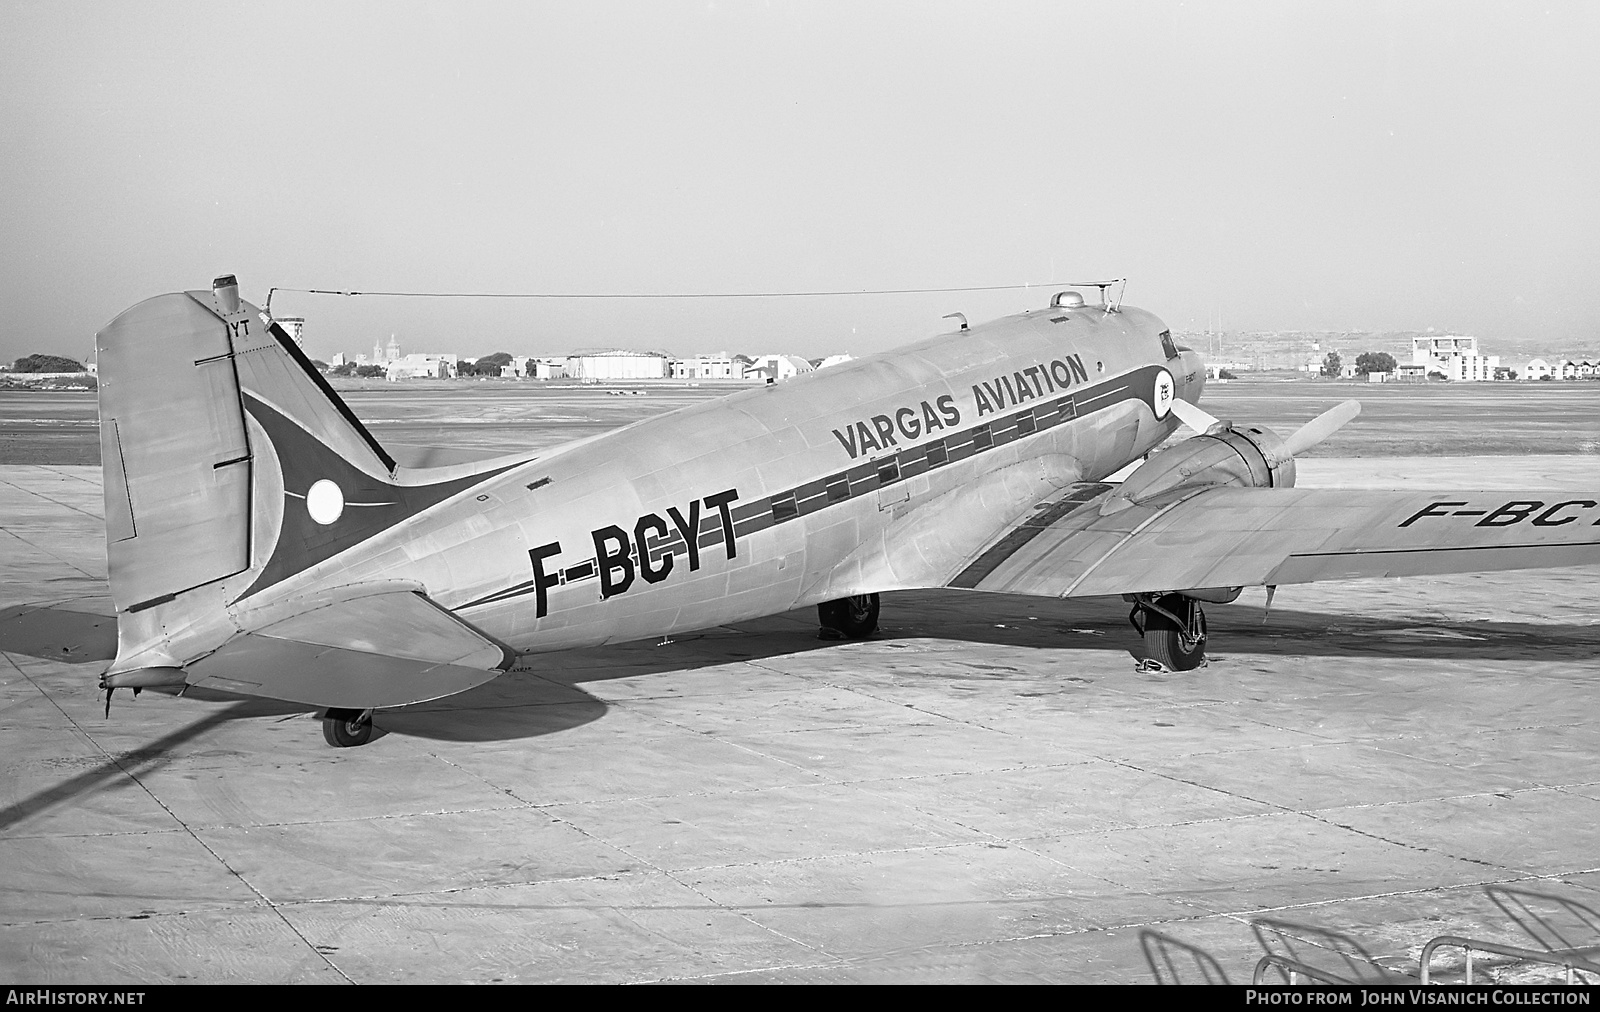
(1076,545)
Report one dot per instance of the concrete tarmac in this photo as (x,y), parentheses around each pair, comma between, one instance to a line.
(985,791)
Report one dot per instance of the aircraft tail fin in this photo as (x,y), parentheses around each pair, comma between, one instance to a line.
(179,458)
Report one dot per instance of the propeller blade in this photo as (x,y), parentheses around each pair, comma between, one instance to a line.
(1191,415)
(1320,428)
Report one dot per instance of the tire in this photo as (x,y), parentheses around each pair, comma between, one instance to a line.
(1164,641)
(855,617)
(347,728)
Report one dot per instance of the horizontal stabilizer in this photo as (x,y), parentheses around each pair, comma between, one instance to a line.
(357,650)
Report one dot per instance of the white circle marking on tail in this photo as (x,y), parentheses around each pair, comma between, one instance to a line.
(325,502)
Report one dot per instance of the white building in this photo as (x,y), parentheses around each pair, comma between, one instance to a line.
(701,367)
(547,368)
(1537,369)
(617,364)
(517,368)
(338,359)
(419,366)
(778,367)
(1455,356)
(833,360)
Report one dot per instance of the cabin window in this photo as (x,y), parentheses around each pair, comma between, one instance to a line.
(1167,345)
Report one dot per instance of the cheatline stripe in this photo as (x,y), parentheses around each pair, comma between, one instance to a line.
(756,515)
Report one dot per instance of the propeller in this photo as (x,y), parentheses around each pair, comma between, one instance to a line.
(1303,438)
(1319,428)
(1192,415)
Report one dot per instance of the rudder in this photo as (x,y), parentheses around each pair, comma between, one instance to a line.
(176,449)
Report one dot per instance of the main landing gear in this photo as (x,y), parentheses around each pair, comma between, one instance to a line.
(848,618)
(1173,627)
(347,728)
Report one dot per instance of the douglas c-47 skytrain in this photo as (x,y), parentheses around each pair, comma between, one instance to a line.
(261,541)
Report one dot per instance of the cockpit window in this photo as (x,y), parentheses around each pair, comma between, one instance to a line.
(1167,345)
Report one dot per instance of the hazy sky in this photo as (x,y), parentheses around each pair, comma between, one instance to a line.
(1287,165)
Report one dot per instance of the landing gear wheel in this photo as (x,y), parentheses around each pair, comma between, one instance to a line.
(1177,647)
(850,617)
(347,728)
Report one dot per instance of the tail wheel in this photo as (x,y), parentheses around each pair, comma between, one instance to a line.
(347,728)
(855,617)
(1180,647)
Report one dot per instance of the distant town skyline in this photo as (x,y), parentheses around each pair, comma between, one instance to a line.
(1353,166)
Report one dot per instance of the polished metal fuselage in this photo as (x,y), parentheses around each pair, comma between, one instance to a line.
(839,482)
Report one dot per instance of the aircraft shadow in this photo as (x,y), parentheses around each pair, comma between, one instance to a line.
(1092,624)
(511,707)
(543,695)
(57,633)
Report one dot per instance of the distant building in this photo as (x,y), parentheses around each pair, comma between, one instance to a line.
(517,368)
(1410,371)
(701,367)
(338,359)
(617,364)
(547,368)
(778,367)
(1455,356)
(382,355)
(421,367)
(294,326)
(1573,369)
(1538,369)
(833,360)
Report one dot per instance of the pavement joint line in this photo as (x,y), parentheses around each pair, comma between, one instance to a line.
(887,954)
(1128,764)
(207,847)
(1533,789)
(397,898)
(719,974)
(146,915)
(743,915)
(118,762)
(1409,846)
(39,548)
(63,505)
(1391,894)
(1126,886)
(56,469)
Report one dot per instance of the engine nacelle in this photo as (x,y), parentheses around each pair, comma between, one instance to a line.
(1250,456)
